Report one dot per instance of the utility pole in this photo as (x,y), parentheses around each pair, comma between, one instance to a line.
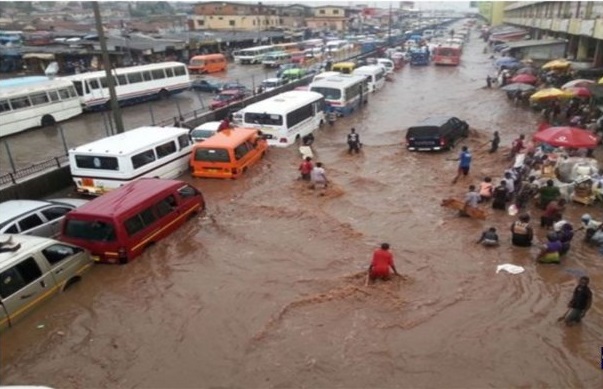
(115,110)
(389,26)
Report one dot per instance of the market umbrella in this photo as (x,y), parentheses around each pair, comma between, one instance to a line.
(518,86)
(571,137)
(525,79)
(549,93)
(577,83)
(557,64)
(527,70)
(579,91)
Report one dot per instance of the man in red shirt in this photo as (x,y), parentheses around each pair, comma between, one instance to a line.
(382,261)
(306,168)
(517,146)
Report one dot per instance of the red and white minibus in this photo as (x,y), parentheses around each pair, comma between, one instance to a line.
(120,225)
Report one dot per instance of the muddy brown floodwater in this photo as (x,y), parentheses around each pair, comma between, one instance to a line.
(267,289)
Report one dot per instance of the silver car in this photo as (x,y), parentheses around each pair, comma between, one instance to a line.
(35,217)
(32,269)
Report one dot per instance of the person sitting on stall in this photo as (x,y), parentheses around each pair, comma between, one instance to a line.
(548,193)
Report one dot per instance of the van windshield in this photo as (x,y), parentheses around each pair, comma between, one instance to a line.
(202,134)
(90,230)
(212,155)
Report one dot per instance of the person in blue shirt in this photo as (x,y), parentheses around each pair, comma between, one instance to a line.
(464,163)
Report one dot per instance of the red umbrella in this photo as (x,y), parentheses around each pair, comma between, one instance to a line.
(579,92)
(571,137)
(527,70)
(525,79)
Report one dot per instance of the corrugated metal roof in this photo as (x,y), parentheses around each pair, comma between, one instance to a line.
(530,43)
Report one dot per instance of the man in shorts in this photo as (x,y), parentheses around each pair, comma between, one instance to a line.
(318,177)
(464,163)
(382,261)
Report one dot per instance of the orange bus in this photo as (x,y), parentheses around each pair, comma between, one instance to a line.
(210,63)
(288,47)
(120,225)
(227,154)
(447,55)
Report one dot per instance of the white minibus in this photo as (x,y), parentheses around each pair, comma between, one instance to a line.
(35,104)
(284,118)
(323,75)
(132,84)
(106,164)
(375,73)
(343,93)
(252,55)
(276,58)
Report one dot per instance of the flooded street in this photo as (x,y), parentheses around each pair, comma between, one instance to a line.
(267,289)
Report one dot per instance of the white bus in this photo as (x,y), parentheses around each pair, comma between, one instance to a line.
(252,55)
(343,93)
(132,84)
(323,75)
(286,117)
(337,45)
(106,164)
(375,74)
(43,103)
(276,58)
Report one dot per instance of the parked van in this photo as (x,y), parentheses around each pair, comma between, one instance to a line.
(120,225)
(32,269)
(228,154)
(436,133)
(388,64)
(210,63)
(204,131)
(344,67)
(375,73)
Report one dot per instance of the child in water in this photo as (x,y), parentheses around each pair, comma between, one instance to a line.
(489,238)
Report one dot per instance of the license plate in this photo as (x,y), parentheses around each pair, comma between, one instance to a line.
(87,182)
(96,258)
(213,170)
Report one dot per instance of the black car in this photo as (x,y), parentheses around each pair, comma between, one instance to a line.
(206,86)
(436,133)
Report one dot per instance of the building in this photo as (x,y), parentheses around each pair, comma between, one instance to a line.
(492,11)
(224,15)
(580,22)
(328,18)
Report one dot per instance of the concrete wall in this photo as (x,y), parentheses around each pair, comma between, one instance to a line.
(40,186)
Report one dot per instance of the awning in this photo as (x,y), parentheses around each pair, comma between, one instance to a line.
(44,56)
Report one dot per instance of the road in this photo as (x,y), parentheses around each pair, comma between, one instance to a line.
(267,289)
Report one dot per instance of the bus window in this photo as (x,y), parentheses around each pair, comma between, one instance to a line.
(93,83)
(169,72)
(96,162)
(39,98)
(147,76)
(212,155)
(103,82)
(4,106)
(180,71)
(122,80)
(78,88)
(144,158)
(183,141)
(20,102)
(64,93)
(158,74)
(165,149)
(133,78)
(262,118)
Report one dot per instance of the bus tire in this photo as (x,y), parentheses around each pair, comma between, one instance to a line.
(164,94)
(47,121)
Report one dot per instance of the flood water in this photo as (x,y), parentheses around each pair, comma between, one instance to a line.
(267,289)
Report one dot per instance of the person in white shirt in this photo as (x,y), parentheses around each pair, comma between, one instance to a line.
(318,176)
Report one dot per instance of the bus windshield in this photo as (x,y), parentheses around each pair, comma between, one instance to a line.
(264,118)
(96,162)
(212,155)
(328,93)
